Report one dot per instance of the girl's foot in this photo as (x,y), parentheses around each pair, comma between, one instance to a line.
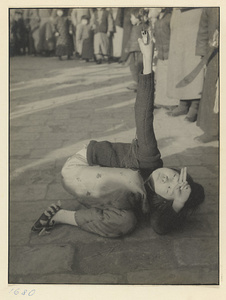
(44,221)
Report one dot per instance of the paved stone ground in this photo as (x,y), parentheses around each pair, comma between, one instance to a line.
(55,108)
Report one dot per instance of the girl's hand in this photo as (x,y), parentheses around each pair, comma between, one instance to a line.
(183,175)
(182,191)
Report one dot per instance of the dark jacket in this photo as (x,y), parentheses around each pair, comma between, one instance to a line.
(132,44)
(209,22)
(105,24)
(162,35)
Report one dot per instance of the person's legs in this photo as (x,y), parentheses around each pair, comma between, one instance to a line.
(110,222)
(193,111)
(104,45)
(97,52)
(133,70)
(181,109)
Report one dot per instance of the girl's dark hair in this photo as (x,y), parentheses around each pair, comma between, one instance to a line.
(196,197)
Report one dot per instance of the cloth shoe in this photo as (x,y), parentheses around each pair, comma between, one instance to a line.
(44,224)
(181,109)
(206,138)
(193,111)
(133,86)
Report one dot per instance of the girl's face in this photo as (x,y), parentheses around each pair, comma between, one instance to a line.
(163,181)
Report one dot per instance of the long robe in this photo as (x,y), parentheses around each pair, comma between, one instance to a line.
(182,54)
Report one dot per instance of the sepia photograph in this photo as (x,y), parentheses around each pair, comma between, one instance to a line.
(113,145)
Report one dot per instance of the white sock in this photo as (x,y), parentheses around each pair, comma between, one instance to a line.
(65,217)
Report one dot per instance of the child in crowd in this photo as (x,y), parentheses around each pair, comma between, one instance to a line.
(64,43)
(103,30)
(85,37)
(76,20)
(119,182)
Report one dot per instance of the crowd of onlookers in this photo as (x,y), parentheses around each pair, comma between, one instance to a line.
(183,37)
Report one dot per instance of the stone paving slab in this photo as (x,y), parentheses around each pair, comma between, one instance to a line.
(205,252)
(119,258)
(174,276)
(40,260)
(38,176)
(69,278)
(19,232)
(24,136)
(28,192)
(81,279)
(56,192)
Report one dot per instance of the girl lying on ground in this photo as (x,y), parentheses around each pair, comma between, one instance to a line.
(119,182)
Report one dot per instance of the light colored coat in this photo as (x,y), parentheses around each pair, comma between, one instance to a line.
(182,54)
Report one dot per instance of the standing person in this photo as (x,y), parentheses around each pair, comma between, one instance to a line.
(127,27)
(208,116)
(64,43)
(103,30)
(46,44)
(27,19)
(76,18)
(118,182)
(11,34)
(32,16)
(133,49)
(117,15)
(18,33)
(182,60)
(85,35)
(162,42)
